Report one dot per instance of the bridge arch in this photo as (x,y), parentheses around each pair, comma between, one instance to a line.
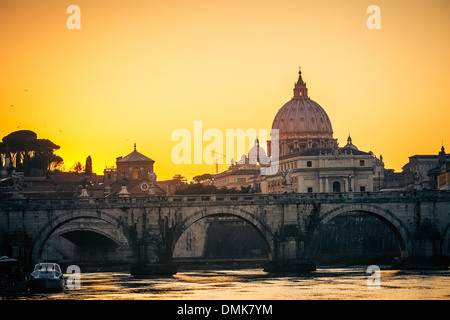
(403,236)
(248,217)
(38,242)
(66,228)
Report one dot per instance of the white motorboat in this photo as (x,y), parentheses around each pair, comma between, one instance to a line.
(46,277)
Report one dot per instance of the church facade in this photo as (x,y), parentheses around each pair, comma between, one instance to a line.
(133,175)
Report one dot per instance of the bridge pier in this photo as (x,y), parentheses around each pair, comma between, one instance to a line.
(426,250)
(151,260)
(426,253)
(290,252)
(154,252)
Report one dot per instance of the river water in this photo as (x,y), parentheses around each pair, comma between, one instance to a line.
(255,284)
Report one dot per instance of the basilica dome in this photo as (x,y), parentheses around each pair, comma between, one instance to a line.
(303,123)
(303,117)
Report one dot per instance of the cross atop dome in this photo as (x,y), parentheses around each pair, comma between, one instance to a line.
(300,80)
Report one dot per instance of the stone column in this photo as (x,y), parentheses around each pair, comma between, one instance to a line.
(155,252)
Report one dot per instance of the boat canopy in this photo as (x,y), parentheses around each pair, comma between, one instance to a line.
(7,259)
(47,267)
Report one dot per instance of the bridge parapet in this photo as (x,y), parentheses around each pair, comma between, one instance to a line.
(391,196)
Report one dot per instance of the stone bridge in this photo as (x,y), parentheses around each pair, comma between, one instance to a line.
(287,222)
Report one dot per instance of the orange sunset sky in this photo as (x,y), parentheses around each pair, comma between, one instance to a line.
(138,70)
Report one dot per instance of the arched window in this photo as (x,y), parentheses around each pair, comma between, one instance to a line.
(336,186)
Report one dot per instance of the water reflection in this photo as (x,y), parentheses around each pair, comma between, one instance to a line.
(254,284)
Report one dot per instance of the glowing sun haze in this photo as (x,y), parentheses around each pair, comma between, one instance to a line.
(138,70)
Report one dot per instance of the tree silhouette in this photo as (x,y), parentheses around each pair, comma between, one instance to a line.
(198,188)
(180,180)
(77,167)
(20,145)
(27,151)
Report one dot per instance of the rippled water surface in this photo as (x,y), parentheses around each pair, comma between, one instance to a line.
(254,284)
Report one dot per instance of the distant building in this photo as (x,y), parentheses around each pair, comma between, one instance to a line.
(440,174)
(61,185)
(427,171)
(392,181)
(237,176)
(309,155)
(135,171)
(326,170)
(443,182)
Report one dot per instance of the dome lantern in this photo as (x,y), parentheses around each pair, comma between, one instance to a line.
(350,144)
(300,89)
